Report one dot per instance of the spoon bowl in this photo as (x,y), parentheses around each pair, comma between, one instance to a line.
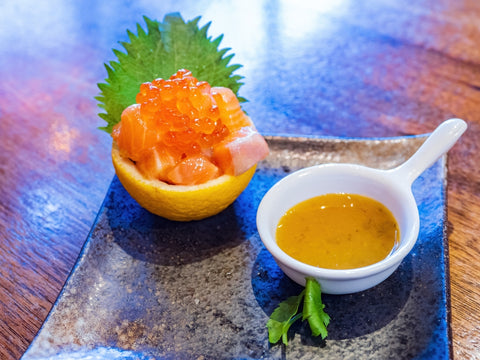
(390,187)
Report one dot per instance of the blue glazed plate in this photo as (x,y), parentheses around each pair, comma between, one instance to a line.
(148,288)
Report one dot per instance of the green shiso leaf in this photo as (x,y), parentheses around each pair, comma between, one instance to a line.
(158,52)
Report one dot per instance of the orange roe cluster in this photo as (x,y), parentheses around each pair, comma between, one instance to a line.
(183,112)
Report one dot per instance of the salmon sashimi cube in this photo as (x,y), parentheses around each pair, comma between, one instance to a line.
(193,170)
(231,113)
(157,163)
(240,151)
(132,134)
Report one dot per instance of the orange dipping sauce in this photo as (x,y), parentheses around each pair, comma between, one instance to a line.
(338,231)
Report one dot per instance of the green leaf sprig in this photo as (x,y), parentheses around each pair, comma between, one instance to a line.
(287,313)
(158,52)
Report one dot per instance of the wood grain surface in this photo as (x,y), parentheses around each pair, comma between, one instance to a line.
(335,68)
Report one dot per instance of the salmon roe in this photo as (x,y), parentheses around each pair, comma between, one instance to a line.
(183,112)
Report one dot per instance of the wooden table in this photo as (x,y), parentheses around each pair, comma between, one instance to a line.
(339,68)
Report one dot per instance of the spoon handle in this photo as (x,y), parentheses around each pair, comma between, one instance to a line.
(437,144)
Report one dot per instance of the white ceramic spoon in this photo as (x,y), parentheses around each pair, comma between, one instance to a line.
(390,187)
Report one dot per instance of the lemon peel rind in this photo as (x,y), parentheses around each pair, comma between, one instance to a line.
(179,202)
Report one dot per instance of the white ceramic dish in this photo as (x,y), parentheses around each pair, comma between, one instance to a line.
(390,187)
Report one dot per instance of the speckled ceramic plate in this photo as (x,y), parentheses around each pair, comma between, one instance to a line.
(147,288)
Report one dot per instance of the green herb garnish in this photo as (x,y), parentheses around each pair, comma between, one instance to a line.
(283,317)
(313,307)
(287,313)
(159,52)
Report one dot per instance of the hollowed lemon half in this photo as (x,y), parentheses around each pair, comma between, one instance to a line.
(179,202)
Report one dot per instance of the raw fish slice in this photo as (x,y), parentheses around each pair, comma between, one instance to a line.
(193,170)
(240,151)
(132,134)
